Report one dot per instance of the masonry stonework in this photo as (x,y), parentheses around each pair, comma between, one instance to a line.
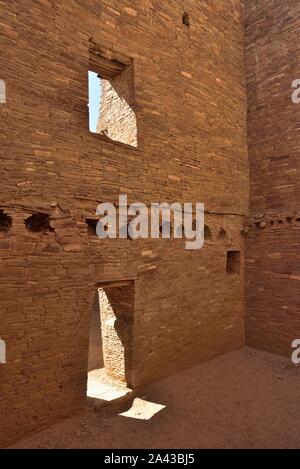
(190,107)
(273,255)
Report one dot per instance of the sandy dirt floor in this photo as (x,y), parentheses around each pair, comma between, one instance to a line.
(244,399)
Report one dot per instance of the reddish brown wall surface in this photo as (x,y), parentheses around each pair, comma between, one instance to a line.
(190,103)
(273,255)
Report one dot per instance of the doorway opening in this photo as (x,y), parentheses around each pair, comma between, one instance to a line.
(110,363)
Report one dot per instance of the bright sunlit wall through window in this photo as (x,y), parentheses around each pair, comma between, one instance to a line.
(95,92)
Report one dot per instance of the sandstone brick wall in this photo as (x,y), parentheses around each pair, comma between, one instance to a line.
(273,258)
(190,105)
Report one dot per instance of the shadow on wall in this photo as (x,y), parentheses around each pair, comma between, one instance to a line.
(95,344)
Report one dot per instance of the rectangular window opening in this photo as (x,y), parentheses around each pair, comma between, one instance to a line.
(111,95)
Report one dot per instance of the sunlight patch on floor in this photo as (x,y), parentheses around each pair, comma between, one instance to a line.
(143,410)
(98,388)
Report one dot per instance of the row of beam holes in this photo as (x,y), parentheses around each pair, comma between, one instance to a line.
(207,232)
(36,223)
(233,263)
(92,226)
(40,223)
(288,221)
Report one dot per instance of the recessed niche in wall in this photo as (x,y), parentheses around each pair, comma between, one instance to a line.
(194,225)
(179,231)
(101,226)
(165,229)
(233,262)
(91,226)
(127,230)
(5,222)
(207,233)
(38,223)
(222,233)
(111,95)
(186,19)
